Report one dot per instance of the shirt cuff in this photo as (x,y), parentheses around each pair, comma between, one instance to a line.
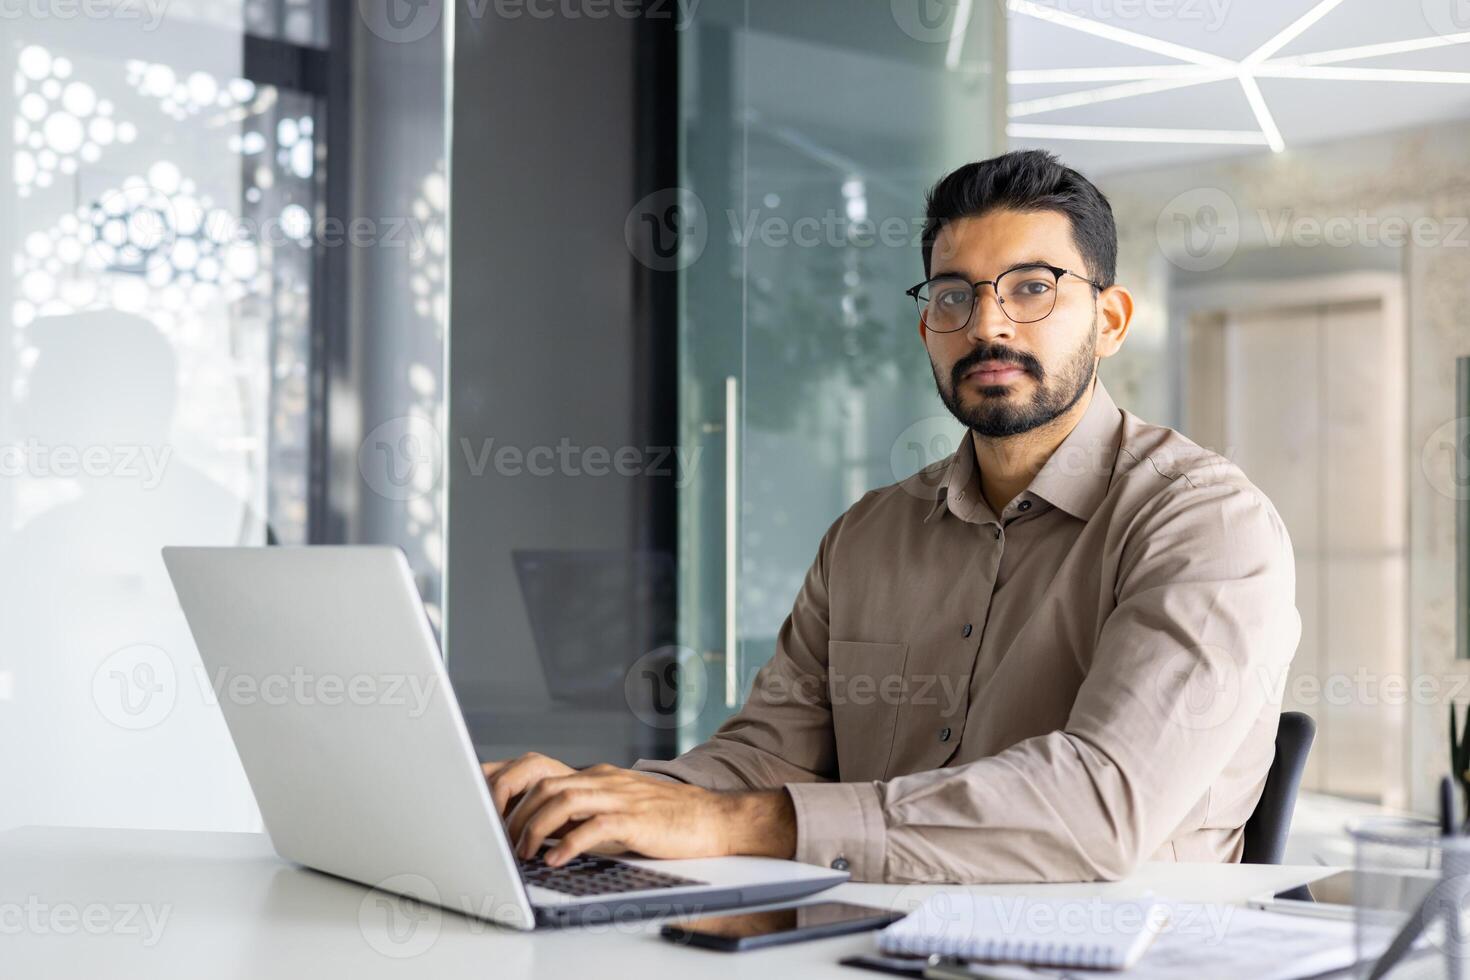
(646,767)
(840,825)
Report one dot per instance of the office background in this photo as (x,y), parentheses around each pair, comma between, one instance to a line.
(596,310)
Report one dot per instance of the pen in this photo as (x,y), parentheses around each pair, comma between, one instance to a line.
(1447,823)
(957,968)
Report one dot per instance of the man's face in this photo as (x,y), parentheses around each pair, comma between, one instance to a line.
(1001,378)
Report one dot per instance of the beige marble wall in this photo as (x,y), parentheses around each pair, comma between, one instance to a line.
(1319,210)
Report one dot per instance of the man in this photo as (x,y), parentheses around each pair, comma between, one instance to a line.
(1051,656)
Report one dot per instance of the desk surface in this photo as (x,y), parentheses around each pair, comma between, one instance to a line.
(78,902)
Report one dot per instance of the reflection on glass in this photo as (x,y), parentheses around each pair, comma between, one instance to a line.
(159,229)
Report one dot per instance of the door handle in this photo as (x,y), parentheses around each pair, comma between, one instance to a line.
(732,540)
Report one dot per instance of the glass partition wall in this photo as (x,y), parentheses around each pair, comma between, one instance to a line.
(810,133)
(154,379)
(213,299)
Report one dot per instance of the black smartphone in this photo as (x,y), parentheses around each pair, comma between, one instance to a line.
(775,927)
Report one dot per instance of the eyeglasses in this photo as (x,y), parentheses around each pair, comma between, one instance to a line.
(1026,294)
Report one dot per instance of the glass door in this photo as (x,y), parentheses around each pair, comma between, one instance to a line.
(810,133)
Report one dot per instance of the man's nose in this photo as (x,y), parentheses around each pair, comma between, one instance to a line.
(988,323)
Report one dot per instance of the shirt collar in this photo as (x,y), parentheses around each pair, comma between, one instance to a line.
(960,480)
(1075,478)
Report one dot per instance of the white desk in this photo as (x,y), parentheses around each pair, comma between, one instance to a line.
(75,903)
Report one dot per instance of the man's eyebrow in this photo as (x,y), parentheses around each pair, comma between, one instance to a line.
(1013,265)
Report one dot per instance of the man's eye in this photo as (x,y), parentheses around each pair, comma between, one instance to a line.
(954,297)
(1033,287)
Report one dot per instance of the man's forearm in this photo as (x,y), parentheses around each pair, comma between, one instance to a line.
(761,823)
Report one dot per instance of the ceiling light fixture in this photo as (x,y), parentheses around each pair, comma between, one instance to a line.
(957,34)
(1346,74)
(1263,114)
(1068,100)
(1204,67)
(1111,33)
(1290,33)
(1135,134)
(1373,50)
(1126,73)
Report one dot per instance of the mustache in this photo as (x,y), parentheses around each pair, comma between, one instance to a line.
(991,352)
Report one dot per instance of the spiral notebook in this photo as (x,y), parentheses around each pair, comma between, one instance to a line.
(1077,932)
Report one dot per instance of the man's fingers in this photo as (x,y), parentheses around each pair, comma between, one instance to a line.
(531,801)
(544,790)
(605,831)
(561,809)
(511,779)
(492,770)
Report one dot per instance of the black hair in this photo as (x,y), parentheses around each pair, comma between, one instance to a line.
(1027,180)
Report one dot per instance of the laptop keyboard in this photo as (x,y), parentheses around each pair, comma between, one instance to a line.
(589,874)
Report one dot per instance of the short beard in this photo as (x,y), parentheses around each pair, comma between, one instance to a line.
(996,419)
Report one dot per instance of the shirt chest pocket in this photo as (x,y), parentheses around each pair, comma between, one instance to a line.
(865,682)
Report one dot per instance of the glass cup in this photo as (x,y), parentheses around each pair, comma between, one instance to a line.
(1407,872)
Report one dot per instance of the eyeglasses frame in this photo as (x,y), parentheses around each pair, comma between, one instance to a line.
(1057,271)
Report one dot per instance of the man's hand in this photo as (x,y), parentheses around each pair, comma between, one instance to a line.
(607,809)
(509,778)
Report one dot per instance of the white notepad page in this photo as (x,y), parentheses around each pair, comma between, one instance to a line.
(1076,932)
(1227,942)
(1202,941)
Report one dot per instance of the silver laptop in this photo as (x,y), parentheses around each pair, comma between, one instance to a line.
(324,664)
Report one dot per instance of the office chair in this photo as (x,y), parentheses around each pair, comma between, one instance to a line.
(1265,831)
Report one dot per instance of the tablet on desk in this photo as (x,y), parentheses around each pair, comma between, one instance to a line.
(1334,896)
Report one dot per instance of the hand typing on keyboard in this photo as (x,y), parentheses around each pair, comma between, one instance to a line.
(605,809)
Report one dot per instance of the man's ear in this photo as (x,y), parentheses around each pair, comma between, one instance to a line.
(1115,313)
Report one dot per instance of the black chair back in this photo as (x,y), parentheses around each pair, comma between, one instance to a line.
(1266,830)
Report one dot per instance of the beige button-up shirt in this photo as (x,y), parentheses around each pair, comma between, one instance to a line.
(1087,680)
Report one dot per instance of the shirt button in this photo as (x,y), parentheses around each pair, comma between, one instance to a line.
(1024,505)
(944,734)
(839,864)
(967,630)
